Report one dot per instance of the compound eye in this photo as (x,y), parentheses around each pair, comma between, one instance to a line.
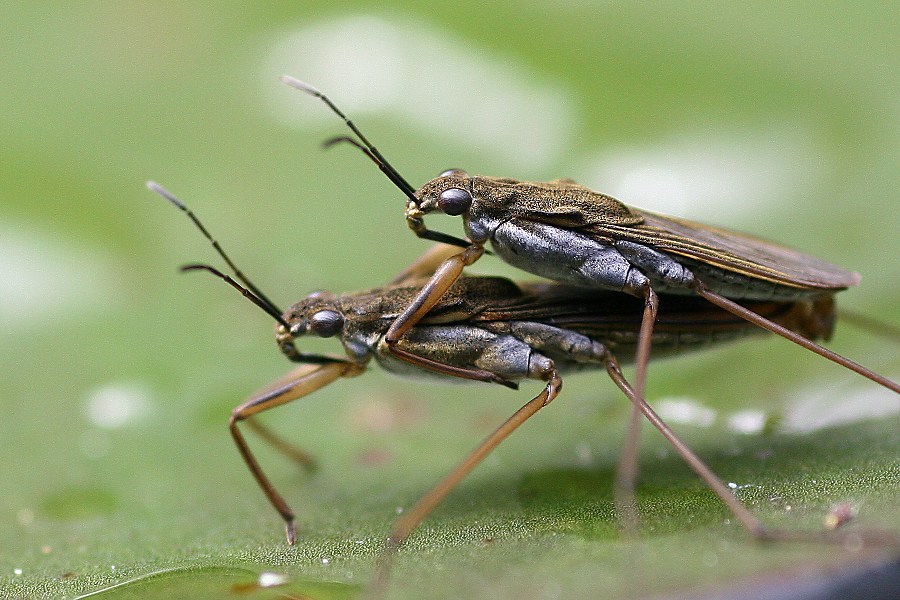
(454,201)
(454,173)
(326,323)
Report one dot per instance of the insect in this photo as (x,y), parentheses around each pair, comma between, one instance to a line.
(489,329)
(569,233)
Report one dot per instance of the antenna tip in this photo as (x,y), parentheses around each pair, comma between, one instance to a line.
(300,85)
(158,189)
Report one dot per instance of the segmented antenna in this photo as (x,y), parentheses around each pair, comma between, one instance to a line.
(246,293)
(363,144)
(366,146)
(251,292)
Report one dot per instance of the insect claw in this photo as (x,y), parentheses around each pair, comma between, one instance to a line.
(290,532)
(414,213)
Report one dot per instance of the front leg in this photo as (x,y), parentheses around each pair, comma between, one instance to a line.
(425,265)
(431,293)
(303,382)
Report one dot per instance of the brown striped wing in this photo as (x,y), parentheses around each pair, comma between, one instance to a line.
(732,251)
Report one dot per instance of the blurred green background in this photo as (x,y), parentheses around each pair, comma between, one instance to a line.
(119,374)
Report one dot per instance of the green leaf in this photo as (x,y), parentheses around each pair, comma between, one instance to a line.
(119,374)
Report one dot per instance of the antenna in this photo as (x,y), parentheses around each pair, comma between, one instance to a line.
(365,145)
(251,292)
(246,293)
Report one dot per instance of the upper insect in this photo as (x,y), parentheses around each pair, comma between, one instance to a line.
(569,233)
(560,201)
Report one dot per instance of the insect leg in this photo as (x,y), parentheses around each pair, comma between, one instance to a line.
(425,265)
(444,277)
(749,521)
(305,382)
(294,453)
(627,468)
(753,525)
(415,515)
(306,460)
(675,275)
(543,337)
(798,339)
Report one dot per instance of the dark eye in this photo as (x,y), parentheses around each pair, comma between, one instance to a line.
(326,323)
(454,173)
(454,201)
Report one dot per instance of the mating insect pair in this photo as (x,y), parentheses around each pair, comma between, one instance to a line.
(569,233)
(695,284)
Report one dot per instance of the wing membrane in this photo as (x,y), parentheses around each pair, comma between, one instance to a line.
(732,251)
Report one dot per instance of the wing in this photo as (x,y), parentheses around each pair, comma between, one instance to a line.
(731,251)
(560,202)
(566,204)
(589,309)
(613,316)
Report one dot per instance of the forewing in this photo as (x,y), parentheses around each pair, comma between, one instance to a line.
(731,251)
(613,316)
(561,202)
